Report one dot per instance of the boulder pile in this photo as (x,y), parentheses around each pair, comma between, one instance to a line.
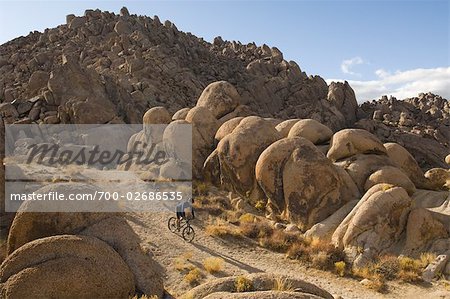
(420,124)
(371,179)
(347,187)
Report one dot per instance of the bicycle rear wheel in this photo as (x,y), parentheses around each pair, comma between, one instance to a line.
(172,224)
(188,233)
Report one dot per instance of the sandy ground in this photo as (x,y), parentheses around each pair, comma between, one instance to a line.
(247,257)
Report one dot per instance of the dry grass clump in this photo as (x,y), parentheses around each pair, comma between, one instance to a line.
(243,284)
(221,228)
(387,267)
(213,264)
(256,230)
(410,270)
(182,264)
(282,284)
(193,277)
(316,253)
(390,267)
(213,205)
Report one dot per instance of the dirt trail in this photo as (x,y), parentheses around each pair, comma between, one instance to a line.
(246,257)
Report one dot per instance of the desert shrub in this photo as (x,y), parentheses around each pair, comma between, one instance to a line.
(256,229)
(213,264)
(250,230)
(282,284)
(193,277)
(279,241)
(377,284)
(243,284)
(316,253)
(339,267)
(299,251)
(387,267)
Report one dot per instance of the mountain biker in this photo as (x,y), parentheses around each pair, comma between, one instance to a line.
(184,210)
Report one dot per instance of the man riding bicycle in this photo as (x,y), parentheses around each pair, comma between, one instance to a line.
(184,210)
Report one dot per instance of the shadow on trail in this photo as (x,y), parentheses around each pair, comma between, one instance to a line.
(228,259)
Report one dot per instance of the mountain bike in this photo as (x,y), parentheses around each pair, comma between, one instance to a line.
(187,232)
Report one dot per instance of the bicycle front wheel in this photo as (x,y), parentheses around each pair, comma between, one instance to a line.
(188,233)
(172,224)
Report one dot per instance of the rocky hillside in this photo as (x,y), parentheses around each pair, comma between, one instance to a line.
(121,65)
(137,62)
(421,124)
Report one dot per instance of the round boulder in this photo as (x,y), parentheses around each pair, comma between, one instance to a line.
(66,267)
(390,175)
(285,126)
(349,142)
(29,225)
(361,166)
(406,162)
(227,127)
(181,114)
(220,98)
(312,130)
(156,115)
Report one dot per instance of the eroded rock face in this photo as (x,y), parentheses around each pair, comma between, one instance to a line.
(375,223)
(302,185)
(65,267)
(204,128)
(343,97)
(239,151)
(422,230)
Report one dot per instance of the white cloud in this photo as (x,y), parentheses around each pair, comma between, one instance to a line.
(347,65)
(403,84)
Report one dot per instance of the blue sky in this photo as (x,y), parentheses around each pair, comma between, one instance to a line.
(381,47)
